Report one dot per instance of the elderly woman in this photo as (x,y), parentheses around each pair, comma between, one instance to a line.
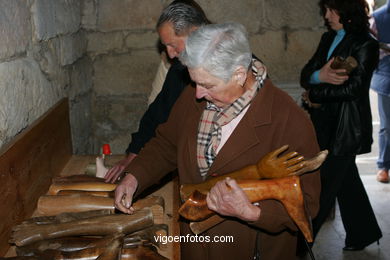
(231,118)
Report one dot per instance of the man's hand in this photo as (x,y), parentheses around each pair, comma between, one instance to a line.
(228,199)
(331,76)
(124,194)
(117,170)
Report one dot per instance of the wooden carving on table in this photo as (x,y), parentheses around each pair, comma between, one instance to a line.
(64,236)
(75,243)
(285,189)
(101,225)
(82,185)
(54,205)
(108,248)
(68,224)
(77,193)
(40,153)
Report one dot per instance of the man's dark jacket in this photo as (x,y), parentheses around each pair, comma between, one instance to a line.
(176,80)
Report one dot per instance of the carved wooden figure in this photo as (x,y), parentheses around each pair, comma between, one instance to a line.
(141,253)
(25,258)
(270,166)
(270,163)
(67,216)
(86,186)
(107,194)
(113,250)
(97,226)
(287,190)
(110,249)
(76,178)
(54,205)
(68,244)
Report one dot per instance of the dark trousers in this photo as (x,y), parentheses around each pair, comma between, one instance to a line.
(340,179)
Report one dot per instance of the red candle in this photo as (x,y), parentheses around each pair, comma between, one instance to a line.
(106,149)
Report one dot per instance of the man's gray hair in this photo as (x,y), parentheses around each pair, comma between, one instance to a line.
(219,49)
(184,15)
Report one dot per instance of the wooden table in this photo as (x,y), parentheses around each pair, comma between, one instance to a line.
(169,191)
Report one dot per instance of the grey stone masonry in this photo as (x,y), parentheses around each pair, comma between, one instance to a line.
(53,18)
(40,45)
(15,29)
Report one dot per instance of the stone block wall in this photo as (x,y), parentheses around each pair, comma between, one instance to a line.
(121,43)
(41,61)
(284,34)
(122,46)
(102,54)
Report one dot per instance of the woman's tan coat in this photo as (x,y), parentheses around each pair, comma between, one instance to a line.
(272,120)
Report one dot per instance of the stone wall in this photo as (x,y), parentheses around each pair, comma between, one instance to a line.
(41,61)
(121,43)
(102,54)
(122,46)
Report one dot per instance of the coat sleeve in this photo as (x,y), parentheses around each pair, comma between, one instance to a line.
(158,111)
(315,63)
(159,156)
(366,54)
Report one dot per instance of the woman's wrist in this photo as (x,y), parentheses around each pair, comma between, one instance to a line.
(252,213)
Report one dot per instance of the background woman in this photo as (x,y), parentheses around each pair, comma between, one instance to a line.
(342,116)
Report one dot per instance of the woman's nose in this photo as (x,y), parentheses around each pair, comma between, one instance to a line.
(200,92)
(327,13)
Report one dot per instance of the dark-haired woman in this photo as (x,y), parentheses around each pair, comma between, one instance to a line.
(339,107)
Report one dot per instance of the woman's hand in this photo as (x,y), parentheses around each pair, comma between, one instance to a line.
(124,194)
(117,170)
(228,199)
(332,76)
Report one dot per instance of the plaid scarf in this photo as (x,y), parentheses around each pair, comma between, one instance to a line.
(213,118)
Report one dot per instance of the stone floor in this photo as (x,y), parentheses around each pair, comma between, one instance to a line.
(330,240)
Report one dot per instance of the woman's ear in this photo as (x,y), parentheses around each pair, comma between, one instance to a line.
(240,75)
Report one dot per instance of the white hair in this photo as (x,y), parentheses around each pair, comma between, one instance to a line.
(218,48)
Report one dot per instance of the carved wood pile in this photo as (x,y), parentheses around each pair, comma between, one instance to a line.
(77,220)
